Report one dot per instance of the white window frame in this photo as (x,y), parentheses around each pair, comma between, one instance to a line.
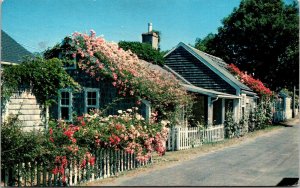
(86,106)
(69,105)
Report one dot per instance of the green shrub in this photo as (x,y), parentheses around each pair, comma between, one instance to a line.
(19,146)
(143,51)
(231,127)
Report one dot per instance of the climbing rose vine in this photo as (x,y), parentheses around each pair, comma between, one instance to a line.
(132,76)
(247,79)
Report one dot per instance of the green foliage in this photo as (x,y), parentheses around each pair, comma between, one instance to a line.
(251,121)
(43,77)
(231,127)
(19,146)
(202,44)
(261,116)
(261,37)
(143,51)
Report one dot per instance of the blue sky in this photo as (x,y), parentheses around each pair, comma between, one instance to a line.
(38,24)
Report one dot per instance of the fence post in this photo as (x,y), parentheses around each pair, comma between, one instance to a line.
(177,129)
(71,173)
(173,138)
(44,174)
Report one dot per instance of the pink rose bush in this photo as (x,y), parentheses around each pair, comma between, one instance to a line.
(126,131)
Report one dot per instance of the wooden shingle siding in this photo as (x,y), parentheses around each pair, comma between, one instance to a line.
(25,105)
(198,74)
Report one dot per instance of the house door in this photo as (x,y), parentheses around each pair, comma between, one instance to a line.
(217,112)
(199,111)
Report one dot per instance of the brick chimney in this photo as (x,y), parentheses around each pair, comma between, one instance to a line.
(150,37)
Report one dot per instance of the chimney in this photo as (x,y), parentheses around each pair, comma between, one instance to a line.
(150,37)
(149,27)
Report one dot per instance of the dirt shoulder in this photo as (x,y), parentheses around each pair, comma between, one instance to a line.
(173,158)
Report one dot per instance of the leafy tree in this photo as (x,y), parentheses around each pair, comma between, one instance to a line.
(143,51)
(261,37)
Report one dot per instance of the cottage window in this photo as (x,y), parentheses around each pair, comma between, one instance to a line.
(91,98)
(65,105)
(69,65)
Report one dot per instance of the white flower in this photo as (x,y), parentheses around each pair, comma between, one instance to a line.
(139,117)
(129,110)
(120,111)
(105,119)
(164,122)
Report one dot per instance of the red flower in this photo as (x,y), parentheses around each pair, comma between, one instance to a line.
(51,131)
(51,139)
(92,161)
(82,123)
(55,171)
(83,163)
(97,142)
(79,118)
(73,140)
(64,161)
(254,84)
(76,128)
(112,141)
(118,126)
(61,170)
(57,159)
(69,133)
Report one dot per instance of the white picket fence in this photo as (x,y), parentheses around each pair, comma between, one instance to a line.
(181,138)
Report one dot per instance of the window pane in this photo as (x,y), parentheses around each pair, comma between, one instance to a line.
(65,98)
(92,94)
(89,101)
(65,113)
(91,98)
(93,102)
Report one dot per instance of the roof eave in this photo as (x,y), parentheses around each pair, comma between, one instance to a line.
(208,92)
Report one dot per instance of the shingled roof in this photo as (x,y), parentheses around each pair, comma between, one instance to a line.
(214,63)
(11,50)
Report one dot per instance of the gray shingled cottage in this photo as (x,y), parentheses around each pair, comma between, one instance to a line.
(93,95)
(216,89)
(22,103)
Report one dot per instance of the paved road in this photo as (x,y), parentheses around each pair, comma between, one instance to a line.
(261,162)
